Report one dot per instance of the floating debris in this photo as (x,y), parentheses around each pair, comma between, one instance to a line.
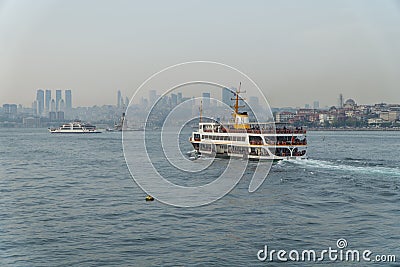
(149,198)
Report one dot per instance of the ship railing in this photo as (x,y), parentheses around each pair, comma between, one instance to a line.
(255,131)
(282,143)
(256,143)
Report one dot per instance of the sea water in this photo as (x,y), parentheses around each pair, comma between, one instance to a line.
(69,200)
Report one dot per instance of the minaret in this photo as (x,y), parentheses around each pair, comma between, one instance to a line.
(340,101)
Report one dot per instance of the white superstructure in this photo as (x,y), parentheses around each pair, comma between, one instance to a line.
(75,127)
(241,138)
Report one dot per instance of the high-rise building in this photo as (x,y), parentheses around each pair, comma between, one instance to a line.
(316,104)
(144,102)
(60,115)
(52,116)
(226,96)
(206,100)
(53,106)
(179,98)
(68,99)
(126,102)
(152,96)
(40,101)
(10,110)
(34,107)
(58,99)
(174,100)
(253,102)
(62,105)
(119,99)
(47,100)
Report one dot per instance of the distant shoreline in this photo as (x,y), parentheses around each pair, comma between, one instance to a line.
(307,128)
(353,129)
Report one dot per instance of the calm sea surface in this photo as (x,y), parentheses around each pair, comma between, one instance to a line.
(69,200)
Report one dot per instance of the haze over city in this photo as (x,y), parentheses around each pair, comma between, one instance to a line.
(296,51)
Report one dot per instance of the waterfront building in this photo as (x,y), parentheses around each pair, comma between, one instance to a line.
(68,99)
(58,99)
(40,102)
(206,100)
(47,100)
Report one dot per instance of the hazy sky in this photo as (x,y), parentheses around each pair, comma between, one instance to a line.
(297,51)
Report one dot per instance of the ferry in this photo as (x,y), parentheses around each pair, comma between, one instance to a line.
(75,127)
(244,139)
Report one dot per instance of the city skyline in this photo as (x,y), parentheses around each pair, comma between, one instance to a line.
(44,101)
(294,51)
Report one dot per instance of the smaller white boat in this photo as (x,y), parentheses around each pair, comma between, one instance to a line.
(75,127)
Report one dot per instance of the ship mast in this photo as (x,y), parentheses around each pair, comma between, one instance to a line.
(201,110)
(236,106)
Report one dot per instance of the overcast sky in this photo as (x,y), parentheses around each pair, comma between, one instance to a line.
(296,51)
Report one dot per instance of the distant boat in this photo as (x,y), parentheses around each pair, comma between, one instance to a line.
(118,126)
(75,127)
(122,126)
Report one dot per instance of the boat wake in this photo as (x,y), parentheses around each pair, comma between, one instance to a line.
(328,165)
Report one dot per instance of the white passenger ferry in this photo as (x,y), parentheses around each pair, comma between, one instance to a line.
(244,139)
(75,127)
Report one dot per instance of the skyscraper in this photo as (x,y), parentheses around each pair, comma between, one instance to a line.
(253,101)
(152,96)
(34,107)
(316,104)
(179,97)
(62,105)
(53,106)
(58,99)
(226,96)
(206,100)
(47,100)
(174,100)
(40,101)
(119,99)
(68,99)
(126,102)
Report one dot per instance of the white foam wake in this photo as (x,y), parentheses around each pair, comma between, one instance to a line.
(323,164)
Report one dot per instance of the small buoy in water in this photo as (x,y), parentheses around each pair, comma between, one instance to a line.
(149,198)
